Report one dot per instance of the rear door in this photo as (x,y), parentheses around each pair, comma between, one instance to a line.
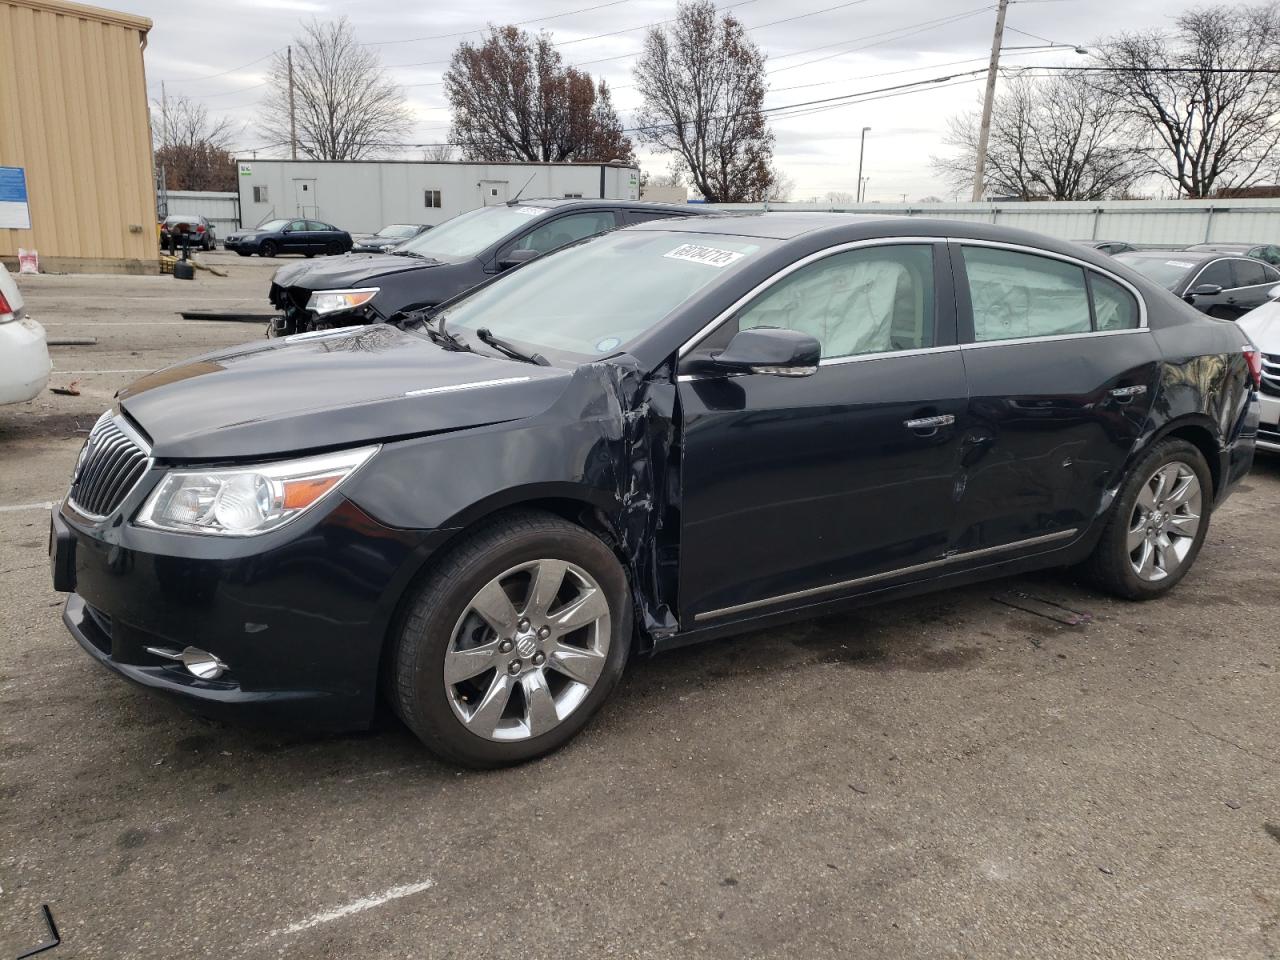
(1253,280)
(295,238)
(1061,372)
(803,489)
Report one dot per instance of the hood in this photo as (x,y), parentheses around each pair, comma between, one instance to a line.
(1262,326)
(379,243)
(329,389)
(337,273)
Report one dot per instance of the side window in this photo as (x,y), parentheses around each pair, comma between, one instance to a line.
(315,225)
(1218,272)
(1113,305)
(644,216)
(1022,295)
(298,225)
(431,198)
(870,300)
(1249,273)
(260,194)
(565,230)
(1270,273)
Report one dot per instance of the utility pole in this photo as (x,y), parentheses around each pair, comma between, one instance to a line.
(980,168)
(862,147)
(293,123)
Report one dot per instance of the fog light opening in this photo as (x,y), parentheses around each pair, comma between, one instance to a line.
(202,664)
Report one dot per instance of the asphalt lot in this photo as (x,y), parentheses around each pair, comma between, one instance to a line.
(942,777)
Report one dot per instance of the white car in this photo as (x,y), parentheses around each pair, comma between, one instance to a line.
(24,355)
(1262,326)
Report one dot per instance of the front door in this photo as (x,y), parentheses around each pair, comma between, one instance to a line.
(798,490)
(297,238)
(304,198)
(1062,373)
(493,192)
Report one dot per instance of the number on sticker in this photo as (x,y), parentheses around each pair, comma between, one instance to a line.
(711,256)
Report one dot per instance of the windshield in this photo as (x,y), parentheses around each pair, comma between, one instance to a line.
(469,233)
(273,225)
(593,299)
(1167,271)
(397,230)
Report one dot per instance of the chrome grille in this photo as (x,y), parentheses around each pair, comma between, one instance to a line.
(1271,374)
(111,464)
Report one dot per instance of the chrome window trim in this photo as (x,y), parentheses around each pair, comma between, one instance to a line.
(886,575)
(724,315)
(1075,261)
(1247,286)
(1050,338)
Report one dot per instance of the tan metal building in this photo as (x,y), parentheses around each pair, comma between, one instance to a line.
(75,133)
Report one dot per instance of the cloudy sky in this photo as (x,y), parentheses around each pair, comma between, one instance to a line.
(218,54)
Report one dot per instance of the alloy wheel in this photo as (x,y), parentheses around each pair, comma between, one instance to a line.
(1165,520)
(527,650)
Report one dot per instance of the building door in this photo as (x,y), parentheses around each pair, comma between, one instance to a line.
(493,192)
(304,198)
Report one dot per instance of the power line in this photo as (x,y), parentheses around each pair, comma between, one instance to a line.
(518,23)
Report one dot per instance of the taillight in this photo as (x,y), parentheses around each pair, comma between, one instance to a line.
(199,228)
(5,309)
(1254,358)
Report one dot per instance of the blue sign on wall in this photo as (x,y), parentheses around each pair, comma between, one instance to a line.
(14,213)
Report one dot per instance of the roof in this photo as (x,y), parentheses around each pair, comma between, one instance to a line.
(1229,247)
(557,202)
(773,226)
(83,11)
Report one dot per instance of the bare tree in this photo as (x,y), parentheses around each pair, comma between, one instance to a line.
(1201,128)
(839,197)
(514,99)
(1061,138)
(191,147)
(346,107)
(781,186)
(438,152)
(703,84)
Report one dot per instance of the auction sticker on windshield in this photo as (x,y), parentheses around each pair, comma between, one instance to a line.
(530,211)
(711,256)
(1179,263)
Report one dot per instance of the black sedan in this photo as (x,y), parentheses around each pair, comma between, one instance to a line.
(1222,286)
(440,264)
(308,237)
(197,230)
(389,236)
(666,434)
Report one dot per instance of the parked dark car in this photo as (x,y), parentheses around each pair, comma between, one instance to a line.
(308,237)
(389,236)
(669,433)
(200,232)
(1258,251)
(1221,286)
(1111,247)
(442,263)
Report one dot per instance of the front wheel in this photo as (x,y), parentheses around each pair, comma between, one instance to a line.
(509,647)
(1157,524)
(268,248)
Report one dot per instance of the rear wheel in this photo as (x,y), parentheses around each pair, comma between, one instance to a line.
(509,647)
(1157,524)
(268,248)
(334,249)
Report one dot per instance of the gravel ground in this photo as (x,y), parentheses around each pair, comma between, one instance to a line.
(940,777)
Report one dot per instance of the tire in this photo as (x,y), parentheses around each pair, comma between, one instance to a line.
(334,249)
(440,622)
(244,253)
(268,248)
(1161,551)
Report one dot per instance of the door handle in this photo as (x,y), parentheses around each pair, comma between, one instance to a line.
(928,426)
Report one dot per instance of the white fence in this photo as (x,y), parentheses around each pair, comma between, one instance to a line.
(220,209)
(1141,222)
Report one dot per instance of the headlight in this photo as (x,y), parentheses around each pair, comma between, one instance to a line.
(245,501)
(333,301)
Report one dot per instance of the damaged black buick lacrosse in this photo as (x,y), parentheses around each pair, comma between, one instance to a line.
(671,432)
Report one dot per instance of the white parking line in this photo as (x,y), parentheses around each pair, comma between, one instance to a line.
(358,906)
(86,372)
(16,507)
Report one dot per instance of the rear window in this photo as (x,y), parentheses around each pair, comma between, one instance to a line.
(1167,270)
(1250,273)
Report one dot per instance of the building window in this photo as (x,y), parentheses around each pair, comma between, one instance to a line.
(432,198)
(259,194)
(573,196)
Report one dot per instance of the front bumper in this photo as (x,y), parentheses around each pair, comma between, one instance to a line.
(24,360)
(1269,423)
(299,620)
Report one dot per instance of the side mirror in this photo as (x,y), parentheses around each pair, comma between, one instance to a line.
(517,257)
(1203,290)
(770,350)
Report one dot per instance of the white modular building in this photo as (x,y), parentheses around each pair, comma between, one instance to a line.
(362,196)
